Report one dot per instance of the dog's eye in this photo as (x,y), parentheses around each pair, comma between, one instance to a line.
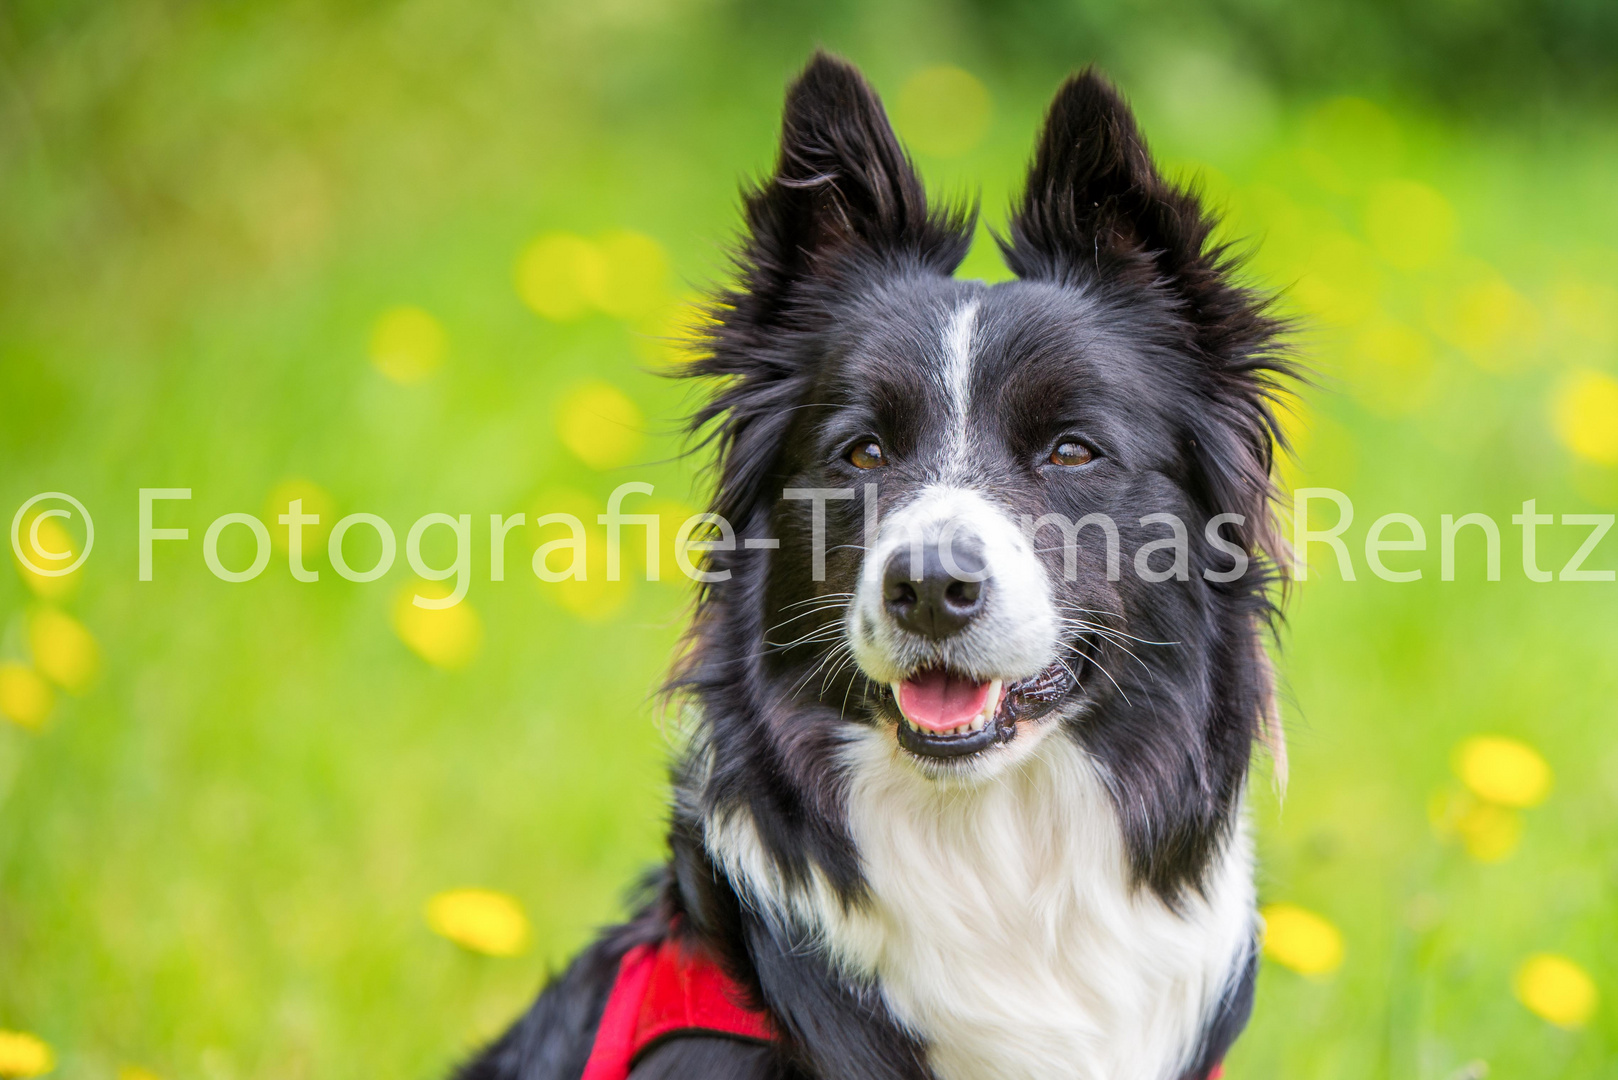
(1071,452)
(867,454)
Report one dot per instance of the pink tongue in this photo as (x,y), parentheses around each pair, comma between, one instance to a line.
(936,700)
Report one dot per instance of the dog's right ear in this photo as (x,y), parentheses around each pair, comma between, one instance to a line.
(842,185)
(843,199)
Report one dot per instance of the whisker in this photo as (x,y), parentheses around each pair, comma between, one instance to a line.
(824,660)
(833,606)
(819,633)
(813,599)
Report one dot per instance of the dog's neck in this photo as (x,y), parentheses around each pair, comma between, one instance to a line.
(1001,923)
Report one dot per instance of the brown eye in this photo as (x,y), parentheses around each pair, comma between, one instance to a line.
(1071,453)
(867,455)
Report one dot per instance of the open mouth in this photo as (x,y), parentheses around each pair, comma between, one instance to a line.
(945,714)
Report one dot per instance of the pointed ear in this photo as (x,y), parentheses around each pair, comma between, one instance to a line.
(1095,206)
(842,183)
(843,198)
(1097,210)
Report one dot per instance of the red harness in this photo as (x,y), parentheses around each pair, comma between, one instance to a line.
(667,990)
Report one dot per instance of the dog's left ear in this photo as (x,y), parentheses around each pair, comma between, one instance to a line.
(1097,211)
(1096,208)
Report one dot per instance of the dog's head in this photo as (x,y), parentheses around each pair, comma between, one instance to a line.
(1005,513)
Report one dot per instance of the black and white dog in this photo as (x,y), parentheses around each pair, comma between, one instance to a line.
(963,795)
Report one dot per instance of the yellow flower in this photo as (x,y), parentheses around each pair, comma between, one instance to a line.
(1297,938)
(943,111)
(447,638)
(600,424)
(1585,414)
(1503,771)
(407,344)
(25,698)
(1489,833)
(481,920)
(24,1055)
(64,651)
(52,537)
(1554,988)
(559,274)
(316,501)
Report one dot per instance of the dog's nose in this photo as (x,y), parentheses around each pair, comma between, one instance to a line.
(939,597)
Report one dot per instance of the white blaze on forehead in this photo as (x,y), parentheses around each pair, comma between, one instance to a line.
(958,360)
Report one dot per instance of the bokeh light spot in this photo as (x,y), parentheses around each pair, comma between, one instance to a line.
(136,1072)
(672,333)
(23,1055)
(447,638)
(1556,989)
(1506,772)
(481,920)
(633,282)
(64,651)
(407,344)
(1410,225)
(316,500)
(1340,283)
(1393,367)
(1487,832)
(670,516)
(600,424)
(943,111)
(559,274)
(1584,413)
(54,537)
(1477,310)
(25,697)
(595,599)
(1301,940)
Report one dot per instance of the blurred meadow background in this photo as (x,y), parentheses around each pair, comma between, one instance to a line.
(405,257)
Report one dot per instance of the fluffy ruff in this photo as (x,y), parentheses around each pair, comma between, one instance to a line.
(980,822)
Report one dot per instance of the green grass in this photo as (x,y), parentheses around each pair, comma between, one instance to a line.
(213,863)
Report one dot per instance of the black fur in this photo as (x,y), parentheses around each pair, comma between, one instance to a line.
(1228,1020)
(1126,326)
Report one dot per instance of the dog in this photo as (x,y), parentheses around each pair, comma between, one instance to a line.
(962,796)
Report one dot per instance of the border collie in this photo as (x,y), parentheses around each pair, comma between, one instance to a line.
(963,795)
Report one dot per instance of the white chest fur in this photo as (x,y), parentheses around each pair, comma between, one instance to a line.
(1001,925)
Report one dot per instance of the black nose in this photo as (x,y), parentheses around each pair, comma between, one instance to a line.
(930,599)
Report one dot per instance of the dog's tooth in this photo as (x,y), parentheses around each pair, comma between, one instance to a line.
(992,702)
